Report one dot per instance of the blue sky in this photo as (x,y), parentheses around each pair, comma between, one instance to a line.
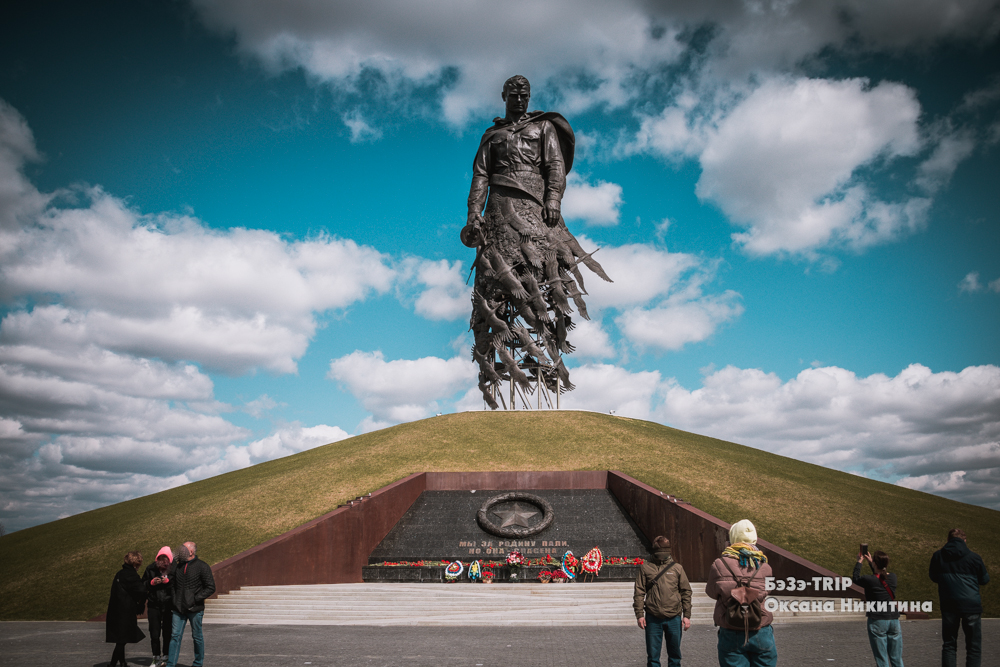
(229,230)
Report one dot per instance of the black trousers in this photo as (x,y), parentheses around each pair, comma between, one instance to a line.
(159,619)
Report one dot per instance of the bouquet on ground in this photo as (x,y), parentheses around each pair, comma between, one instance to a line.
(515,559)
(545,576)
(487,576)
(559,577)
(454,570)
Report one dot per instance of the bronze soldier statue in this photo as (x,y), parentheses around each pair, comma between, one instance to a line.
(527,263)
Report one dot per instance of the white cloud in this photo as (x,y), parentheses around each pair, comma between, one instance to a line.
(782,164)
(293,439)
(915,424)
(678,321)
(171,288)
(604,387)
(361,131)
(661,295)
(970,283)
(995,285)
(935,172)
(640,273)
(18,197)
(402,389)
(99,400)
(596,205)
(445,296)
(586,53)
(591,340)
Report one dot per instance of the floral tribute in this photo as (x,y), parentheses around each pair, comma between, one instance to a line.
(475,570)
(559,577)
(570,565)
(592,561)
(515,559)
(487,576)
(545,576)
(454,570)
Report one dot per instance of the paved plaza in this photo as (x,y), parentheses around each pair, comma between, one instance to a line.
(66,644)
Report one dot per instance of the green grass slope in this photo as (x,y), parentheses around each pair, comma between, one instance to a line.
(62,570)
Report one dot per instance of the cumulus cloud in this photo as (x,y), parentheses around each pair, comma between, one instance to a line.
(662,297)
(401,389)
(782,164)
(597,205)
(937,432)
(443,292)
(916,424)
(293,439)
(678,321)
(589,53)
(111,318)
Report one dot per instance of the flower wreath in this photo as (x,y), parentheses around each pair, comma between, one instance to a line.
(592,561)
(569,565)
(475,570)
(454,570)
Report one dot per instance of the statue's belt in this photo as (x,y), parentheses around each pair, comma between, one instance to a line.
(507,181)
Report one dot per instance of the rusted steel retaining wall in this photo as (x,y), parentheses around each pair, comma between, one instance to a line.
(697,538)
(329,550)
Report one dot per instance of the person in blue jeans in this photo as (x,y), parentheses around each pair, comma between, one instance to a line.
(745,645)
(193,583)
(662,604)
(959,572)
(884,633)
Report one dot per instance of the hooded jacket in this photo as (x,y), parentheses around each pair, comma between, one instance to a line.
(669,596)
(161,594)
(959,572)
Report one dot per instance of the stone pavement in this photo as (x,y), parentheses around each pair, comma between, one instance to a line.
(43,644)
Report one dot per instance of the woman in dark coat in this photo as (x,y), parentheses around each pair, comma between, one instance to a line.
(128,598)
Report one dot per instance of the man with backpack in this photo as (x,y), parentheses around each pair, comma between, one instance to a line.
(662,604)
(736,582)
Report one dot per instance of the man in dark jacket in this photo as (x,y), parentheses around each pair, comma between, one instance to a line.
(192,584)
(662,604)
(959,572)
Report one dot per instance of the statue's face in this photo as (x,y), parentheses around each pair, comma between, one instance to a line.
(517,100)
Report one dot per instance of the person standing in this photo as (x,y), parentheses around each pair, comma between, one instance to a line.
(662,604)
(750,642)
(959,572)
(191,584)
(884,633)
(159,604)
(128,597)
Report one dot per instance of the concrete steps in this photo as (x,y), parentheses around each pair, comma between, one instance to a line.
(385,604)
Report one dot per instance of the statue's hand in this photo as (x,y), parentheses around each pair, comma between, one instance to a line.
(472,233)
(475,219)
(550,213)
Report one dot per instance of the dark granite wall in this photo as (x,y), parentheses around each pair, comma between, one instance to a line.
(442,525)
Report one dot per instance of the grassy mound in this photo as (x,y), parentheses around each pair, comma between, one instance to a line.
(62,570)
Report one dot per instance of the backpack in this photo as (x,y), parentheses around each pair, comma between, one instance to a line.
(744,604)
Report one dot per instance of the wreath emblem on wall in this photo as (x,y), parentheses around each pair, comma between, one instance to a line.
(515,522)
